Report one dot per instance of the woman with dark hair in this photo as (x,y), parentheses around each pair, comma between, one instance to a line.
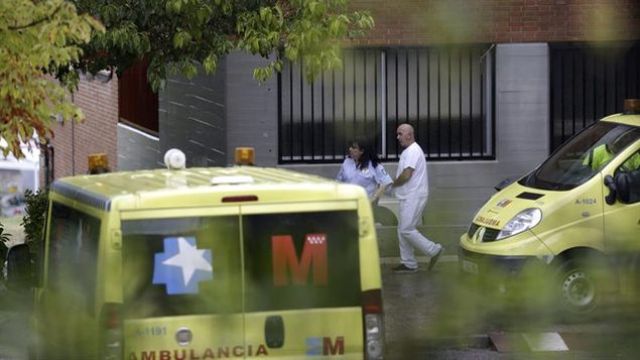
(363,168)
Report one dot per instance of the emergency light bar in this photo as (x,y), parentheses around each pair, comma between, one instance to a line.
(245,156)
(632,106)
(98,163)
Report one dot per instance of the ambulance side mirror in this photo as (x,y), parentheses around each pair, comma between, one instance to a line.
(19,269)
(506,182)
(611,184)
(619,188)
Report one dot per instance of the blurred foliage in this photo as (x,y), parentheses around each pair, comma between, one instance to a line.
(4,237)
(38,38)
(34,220)
(177,35)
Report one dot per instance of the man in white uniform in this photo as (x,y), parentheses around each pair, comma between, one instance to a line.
(412,190)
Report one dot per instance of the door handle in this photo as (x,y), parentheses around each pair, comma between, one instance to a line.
(274,331)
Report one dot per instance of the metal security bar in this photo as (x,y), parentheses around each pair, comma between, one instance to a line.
(442,92)
(316,120)
(446,93)
(589,82)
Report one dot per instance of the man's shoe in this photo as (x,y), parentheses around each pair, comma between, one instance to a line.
(434,258)
(403,269)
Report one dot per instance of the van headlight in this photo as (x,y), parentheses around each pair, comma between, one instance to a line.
(526,219)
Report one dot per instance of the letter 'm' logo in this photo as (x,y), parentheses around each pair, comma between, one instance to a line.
(317,346)
(285,260)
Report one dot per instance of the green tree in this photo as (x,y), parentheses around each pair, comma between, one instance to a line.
(40,37)
(37,38)
(176,36)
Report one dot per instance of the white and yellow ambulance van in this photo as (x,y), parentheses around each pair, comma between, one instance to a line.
(208,263)
(577,214)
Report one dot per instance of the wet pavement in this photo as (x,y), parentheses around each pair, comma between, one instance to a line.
(437,315)
(413,311)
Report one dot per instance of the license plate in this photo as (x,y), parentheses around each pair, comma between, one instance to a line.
(469,266)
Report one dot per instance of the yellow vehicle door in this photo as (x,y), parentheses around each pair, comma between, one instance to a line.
(302,282)
(182,284)
(622,218)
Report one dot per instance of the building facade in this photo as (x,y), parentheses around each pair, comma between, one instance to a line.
(491,86)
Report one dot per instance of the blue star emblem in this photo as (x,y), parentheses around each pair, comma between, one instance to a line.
(182,266)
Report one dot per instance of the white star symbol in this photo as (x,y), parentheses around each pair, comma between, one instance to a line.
(190,259)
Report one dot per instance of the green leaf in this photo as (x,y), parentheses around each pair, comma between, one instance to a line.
(210,63)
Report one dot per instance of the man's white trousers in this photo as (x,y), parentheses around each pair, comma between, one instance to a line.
(408,236)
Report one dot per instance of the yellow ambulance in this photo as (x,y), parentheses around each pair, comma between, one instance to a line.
(577,214)
(208,263)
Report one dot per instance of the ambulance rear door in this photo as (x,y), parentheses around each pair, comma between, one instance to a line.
(302,280)
(182,284)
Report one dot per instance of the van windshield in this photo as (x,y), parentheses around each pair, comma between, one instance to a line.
(582,156)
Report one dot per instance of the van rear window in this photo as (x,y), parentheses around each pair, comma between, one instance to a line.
(301,260)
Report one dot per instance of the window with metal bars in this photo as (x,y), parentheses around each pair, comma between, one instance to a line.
(446,93)
(588,82)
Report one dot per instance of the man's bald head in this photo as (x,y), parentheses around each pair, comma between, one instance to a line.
(405,135)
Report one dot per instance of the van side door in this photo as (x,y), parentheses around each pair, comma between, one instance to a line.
(622,220)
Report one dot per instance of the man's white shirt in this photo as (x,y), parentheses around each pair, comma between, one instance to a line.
(418,184)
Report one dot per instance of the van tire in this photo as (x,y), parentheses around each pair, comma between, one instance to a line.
(579,285)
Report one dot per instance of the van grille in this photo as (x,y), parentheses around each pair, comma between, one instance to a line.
(489,233)
(472,230)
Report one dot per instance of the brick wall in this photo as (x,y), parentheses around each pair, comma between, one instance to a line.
(73,142)
(422,22)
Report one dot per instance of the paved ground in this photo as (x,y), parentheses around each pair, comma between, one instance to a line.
(436,315)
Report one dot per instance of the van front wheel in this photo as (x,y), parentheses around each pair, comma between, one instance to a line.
(578,286)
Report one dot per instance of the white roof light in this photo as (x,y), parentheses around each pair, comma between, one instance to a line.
(174,159)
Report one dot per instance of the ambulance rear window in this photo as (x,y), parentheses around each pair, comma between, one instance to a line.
(301,260)
(180,266)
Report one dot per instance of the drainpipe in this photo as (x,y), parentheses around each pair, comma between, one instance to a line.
(49,161)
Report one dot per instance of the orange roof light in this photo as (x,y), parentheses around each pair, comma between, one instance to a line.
(632,106)
(245,156)
(98,163)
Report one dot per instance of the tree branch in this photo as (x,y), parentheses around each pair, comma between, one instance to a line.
(36,22)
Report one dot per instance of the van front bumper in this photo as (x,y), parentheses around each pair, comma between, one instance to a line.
(477,263)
